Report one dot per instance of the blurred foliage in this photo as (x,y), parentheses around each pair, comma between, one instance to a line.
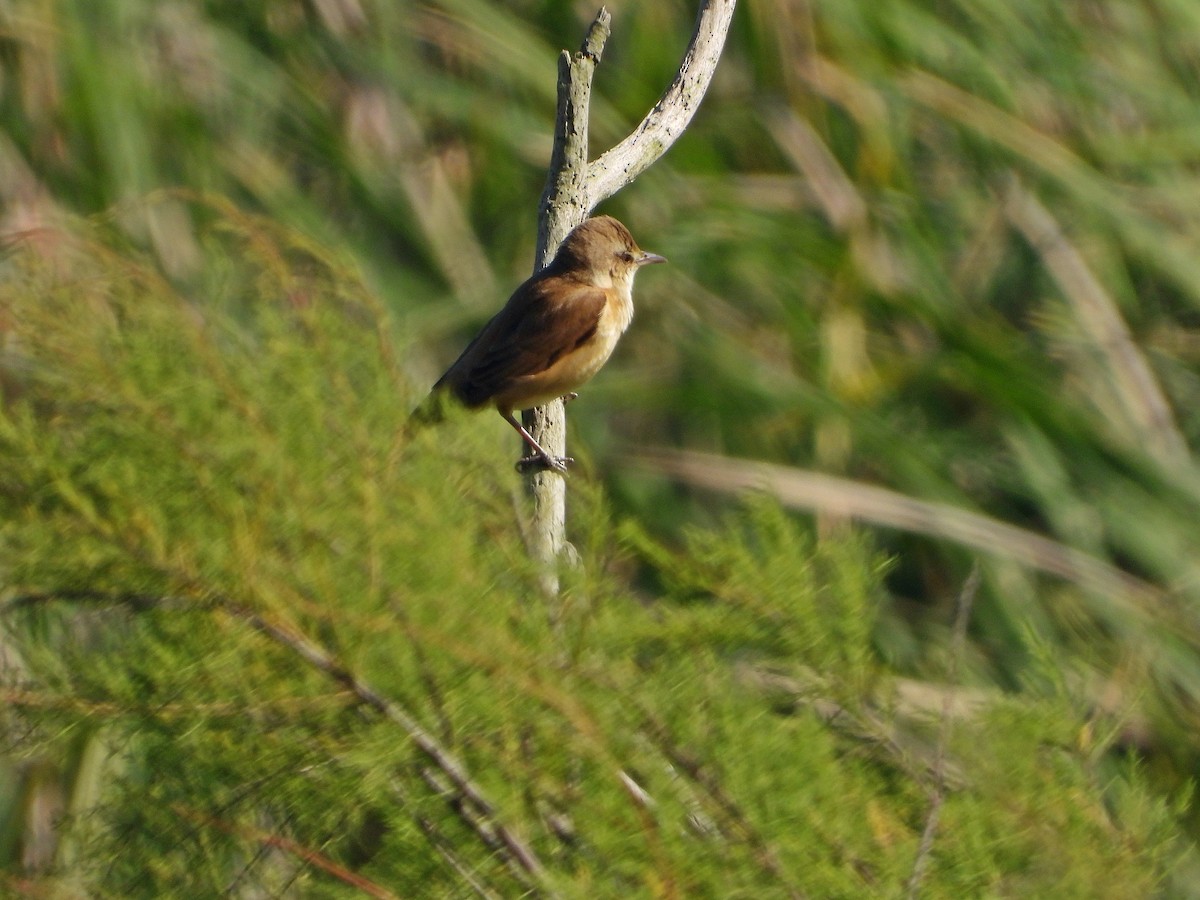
(944,247)
(186,484)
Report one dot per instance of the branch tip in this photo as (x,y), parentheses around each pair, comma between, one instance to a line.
(597,36)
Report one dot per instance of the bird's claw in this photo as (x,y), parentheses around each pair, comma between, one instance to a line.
(568,397)
(543,462)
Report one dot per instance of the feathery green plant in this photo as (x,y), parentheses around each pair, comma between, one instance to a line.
(308,654)
(941,248)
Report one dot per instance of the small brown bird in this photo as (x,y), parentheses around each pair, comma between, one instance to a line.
(555,332)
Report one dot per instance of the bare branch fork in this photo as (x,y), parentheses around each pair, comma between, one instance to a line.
(574,187)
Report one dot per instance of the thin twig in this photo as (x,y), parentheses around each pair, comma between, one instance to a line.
(866,726)
(483,826)
(733,818)
(287,845)
(446,850)
(316,656)
(482,813)
(958,641)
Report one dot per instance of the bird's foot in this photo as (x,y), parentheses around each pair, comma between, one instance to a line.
(568,397)
(541,462)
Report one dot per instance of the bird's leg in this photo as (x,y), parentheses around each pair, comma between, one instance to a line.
(538,457)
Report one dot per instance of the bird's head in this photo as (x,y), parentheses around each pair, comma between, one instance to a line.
(603,251)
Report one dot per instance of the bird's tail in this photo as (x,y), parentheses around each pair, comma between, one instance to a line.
(429,411)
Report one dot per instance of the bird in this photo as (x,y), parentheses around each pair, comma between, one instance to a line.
(554,333)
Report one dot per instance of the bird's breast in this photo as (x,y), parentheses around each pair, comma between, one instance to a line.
(577,366)
(618,313)
(586,360)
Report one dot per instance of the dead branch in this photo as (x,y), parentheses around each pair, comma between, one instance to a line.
(574,188)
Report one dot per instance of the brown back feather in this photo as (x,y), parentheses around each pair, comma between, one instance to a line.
(548,316)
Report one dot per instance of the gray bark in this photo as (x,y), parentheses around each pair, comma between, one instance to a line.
(573,190)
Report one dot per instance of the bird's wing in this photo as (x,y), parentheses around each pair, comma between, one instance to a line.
(544,320)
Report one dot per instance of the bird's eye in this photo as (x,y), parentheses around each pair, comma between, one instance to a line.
(626,255)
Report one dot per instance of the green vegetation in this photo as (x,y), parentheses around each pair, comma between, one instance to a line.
(258,638)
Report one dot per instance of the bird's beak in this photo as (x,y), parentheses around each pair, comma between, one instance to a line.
(649,259)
